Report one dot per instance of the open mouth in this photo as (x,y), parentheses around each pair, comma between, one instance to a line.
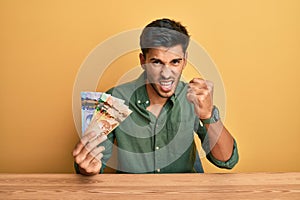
(166,86)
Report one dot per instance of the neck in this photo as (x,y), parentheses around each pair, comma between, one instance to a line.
(156,102)
(155,99)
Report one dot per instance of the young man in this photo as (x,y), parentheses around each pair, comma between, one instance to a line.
(158,137)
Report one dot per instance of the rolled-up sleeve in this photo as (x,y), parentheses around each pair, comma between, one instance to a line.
(229,164)
(202,133)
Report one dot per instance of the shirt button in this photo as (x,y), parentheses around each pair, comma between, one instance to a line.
(158,170)
(147,102)
(200,122)
(156,148)
(139,101)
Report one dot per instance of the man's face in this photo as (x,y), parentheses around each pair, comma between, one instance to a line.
(163,68)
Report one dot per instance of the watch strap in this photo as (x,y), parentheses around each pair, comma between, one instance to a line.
(214,116)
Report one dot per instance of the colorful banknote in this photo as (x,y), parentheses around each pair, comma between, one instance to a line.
(101,112)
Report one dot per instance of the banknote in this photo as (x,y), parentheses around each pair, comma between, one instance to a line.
(89,101)
(101,112)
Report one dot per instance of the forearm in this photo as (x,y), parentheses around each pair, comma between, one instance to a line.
(221,141)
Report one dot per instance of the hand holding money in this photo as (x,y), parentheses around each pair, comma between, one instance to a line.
(87,153)
(101,113)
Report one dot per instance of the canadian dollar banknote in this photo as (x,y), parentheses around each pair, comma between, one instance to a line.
(101,112)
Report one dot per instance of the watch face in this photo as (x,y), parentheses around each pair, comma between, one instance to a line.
(216,114)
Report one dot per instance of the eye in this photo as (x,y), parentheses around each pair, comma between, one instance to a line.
(176,62)
(156,62)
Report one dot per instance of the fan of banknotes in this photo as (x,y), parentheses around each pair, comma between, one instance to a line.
(101,112)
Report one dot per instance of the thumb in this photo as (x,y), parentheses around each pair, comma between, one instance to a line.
(191,97)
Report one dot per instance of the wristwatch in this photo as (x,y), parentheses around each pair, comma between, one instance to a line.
(214,116)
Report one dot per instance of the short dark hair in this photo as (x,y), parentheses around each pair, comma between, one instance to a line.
(164,33)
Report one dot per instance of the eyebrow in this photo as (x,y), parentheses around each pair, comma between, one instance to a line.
(175,59)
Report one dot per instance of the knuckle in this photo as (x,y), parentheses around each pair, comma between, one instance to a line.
(78,159)
(78,145)
(199,80)
(77,148)
(206,92)
(201,98)
(102,138)
(87,137)
(94,153)
(83,140)
(88,147)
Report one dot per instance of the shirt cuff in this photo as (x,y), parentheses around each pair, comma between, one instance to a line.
(229,164)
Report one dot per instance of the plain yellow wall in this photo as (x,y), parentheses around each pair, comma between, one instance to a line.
(255,45)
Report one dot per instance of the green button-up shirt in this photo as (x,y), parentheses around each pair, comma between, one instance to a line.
(164,144)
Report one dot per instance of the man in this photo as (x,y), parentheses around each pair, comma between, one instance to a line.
(158,137)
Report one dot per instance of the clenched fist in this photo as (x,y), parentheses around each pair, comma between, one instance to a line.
(200,93)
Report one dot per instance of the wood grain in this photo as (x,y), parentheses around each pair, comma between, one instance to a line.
(151,186)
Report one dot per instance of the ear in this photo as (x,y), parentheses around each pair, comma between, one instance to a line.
(142,60)
(185,59)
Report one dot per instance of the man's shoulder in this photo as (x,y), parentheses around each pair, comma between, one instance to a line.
(126,90)
(123,90)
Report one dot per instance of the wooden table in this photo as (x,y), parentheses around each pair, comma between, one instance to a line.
(151,186)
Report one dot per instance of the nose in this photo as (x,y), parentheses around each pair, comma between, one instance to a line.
(166,72)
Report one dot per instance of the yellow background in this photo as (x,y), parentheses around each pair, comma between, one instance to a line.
(255,45)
